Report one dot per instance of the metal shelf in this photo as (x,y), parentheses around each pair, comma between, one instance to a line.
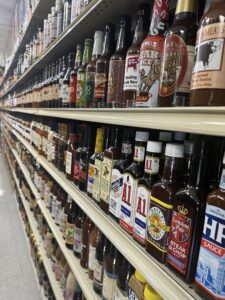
(168,285)
(94,17)
(199,120)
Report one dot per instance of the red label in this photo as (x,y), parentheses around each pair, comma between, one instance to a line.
(219,251)
(101,83)
(174,65)
(76,170)
(179,242)
(73,88)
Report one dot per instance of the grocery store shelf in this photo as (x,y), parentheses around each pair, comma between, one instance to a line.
(168,285)
(94,17)
(199,120)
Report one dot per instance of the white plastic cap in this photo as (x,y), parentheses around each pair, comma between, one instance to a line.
(141,136)
(155,147)
(179,136)
(165,136)
(174,150)
(188,147)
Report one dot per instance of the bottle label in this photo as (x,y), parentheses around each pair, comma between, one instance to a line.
(80,97)
(151,164)
(127,148)
(101,83)
(176,66)
(65,93)
(97,180)
(58,212)
(131,73)
(139,153)
(83,170)
(98,273)
(116,193)
(91,258)
(115,84)
(109,285)
(149,71)
(128,202)
(141,210)
(107,166)
(60,87)
(76,170)
(180,239)
(77,240)
(132,295)
(119,294)
(90,178)
(69,156)
(209,67)
(69,237)
(89,86)
(73,88)
(210,268)
(158,223)
(222,180)
(54,207)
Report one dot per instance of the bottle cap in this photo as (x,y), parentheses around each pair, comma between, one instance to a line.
(188,147)
(174,150)
(139,277)
(155,147)
(165,136)
(179,136)
(150,293)
(141,136)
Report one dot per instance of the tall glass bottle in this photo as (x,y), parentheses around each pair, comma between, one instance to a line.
(61,78)
(117,64)
(130,85)
(65,88)
(94,238)
(70,154)
(178,56)
(77,245)
(151,52)
(86,231)
(76,175)
(73,77)
(102,67)
(59,11)
(70,226)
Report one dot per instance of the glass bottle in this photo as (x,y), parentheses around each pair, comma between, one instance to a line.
(178,56)
(65,88)
(77,246)
(61,78)
(66,14)
(86,231)
(76,168)
(161,201)
(94,238)
(59,7)
(64,217)
(70,226)
(73,77)
(131,176)
(70,154)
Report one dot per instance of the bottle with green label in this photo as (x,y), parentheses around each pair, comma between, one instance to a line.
(81,74)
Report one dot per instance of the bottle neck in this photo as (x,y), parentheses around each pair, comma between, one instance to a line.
(122,38)
(97,48)
(78,59)
(160,18)
(140,31)
(186,10)
(107,44)
(87,54)
(173,169)
(99,140)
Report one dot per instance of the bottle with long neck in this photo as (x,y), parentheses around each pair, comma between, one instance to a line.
(178,56)
(50,86)
(91,69)
(66,82)
(56,83)
(151,52)
(76,168)
(102,67)
(117,64)
(61,78)
(73,77)
(130,84)
(81,73)
(209,59)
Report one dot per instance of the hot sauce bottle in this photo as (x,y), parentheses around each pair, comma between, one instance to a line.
(151,175)
(70,154)
(209,276)
(130,84)
(86,231)
(178,56)
(188,215)
(151,55)
(161,202)
(130,181)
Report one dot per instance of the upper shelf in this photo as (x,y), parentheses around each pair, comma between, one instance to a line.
(198,120)
(94,17)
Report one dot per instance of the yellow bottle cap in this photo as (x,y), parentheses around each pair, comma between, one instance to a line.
(150,293)
(139,277)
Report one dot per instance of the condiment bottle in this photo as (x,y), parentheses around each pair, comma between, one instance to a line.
(91,168)
(77,244)
(209,278)
(65,88)
(130,85)
(151,176)
(70,286)
(102,250)
(111,156)
(57,263)
(72,145)
(91,68)
(188,216)
(61,78)
(164,137)
(151,52)
(124,274)
(136,286)
(76,175)
(94,238)
(161,202)
(102,67)
(209,58)
(73,77)
(70,226)
(130,181)
(117,173)
(112,264)
(117,64)
(150,293)
(178,56)
(86,230)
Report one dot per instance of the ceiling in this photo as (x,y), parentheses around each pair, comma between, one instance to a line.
(7,8)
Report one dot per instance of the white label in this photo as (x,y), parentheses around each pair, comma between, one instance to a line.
(58,212)
(65,93)
(151,164)
(97,180)
(109,285)
(91,259)
(128,203)
(139,153)
(77,240)
(116,193)
(69,156)
(119,295)
(131,73)
(98,272)
(185,86)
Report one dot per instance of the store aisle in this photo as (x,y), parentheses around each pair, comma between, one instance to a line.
(17,278)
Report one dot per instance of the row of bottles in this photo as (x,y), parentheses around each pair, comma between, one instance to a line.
(154,184)
(163,68)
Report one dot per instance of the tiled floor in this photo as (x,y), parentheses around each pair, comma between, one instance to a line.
(17,278)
